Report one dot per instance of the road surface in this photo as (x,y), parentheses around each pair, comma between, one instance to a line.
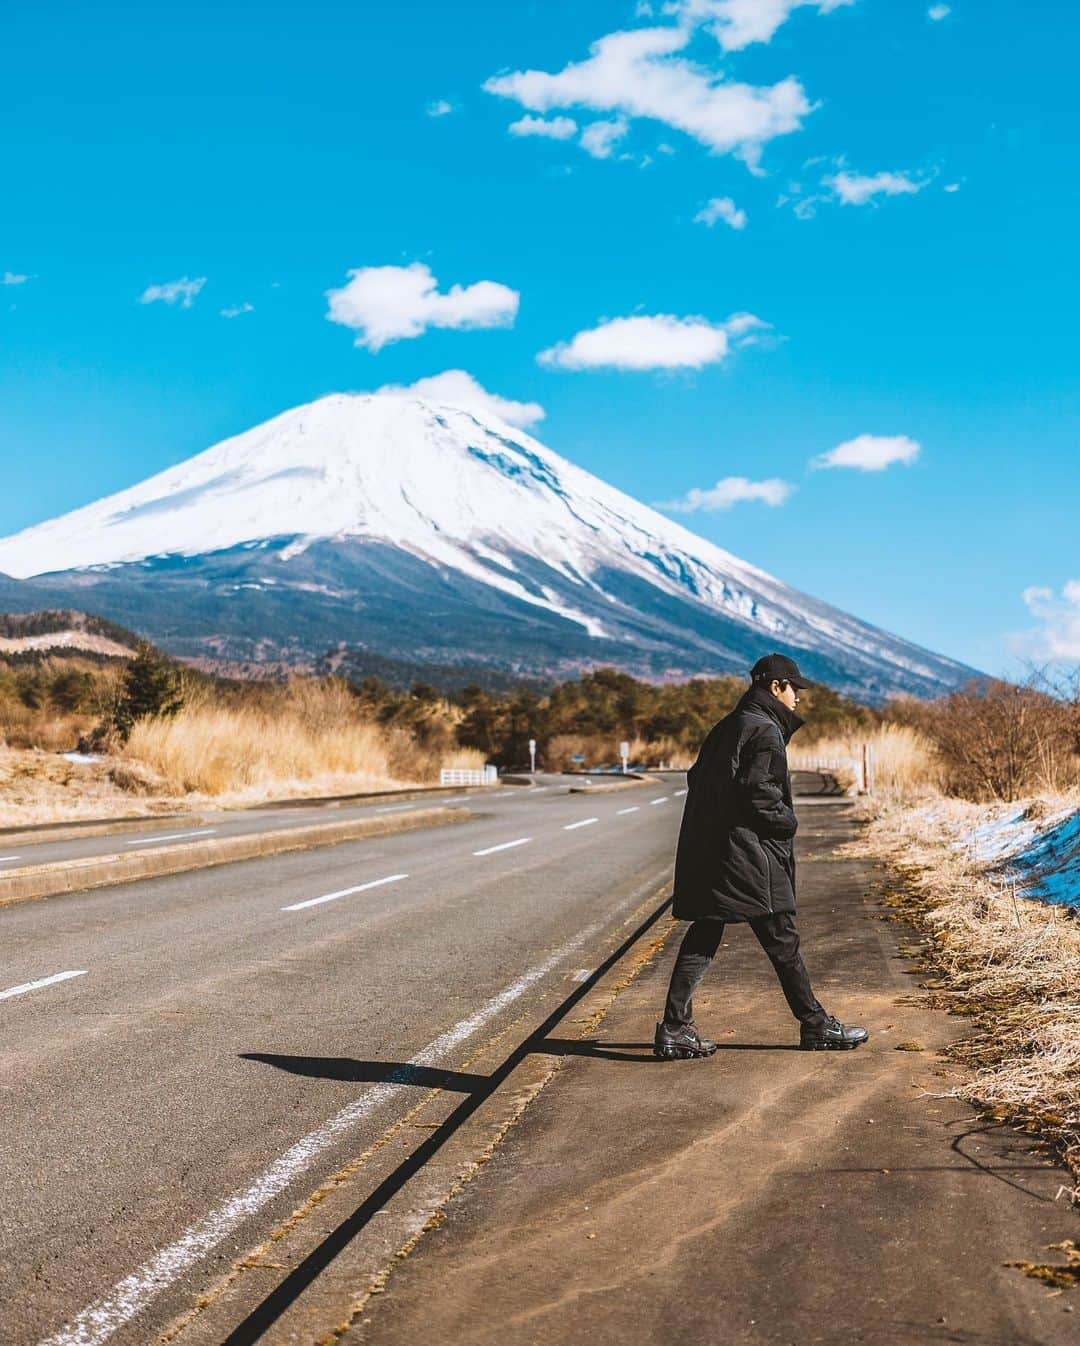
(184,1060)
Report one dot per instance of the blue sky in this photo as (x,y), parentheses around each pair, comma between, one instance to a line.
(911,209)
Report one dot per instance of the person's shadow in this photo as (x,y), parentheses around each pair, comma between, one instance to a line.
(642,1052)
(370,1072)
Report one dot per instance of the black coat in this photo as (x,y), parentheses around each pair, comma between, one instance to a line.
(735,859)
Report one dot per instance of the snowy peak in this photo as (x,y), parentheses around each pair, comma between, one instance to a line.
(464,495)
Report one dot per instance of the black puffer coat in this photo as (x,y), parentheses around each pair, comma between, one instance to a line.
(735,859)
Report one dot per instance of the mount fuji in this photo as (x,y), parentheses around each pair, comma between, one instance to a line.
(387,525)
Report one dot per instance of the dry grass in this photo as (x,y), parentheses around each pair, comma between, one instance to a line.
(904,760)
(1011,963)
(310,738)
(603,750)
(307,738)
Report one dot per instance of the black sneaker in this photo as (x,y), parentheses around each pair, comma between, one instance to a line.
(680,1044)
(831,1036)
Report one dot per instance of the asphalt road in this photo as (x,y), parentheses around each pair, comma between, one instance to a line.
(246,822)
(185,1059)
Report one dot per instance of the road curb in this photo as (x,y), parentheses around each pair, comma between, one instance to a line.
(101,871)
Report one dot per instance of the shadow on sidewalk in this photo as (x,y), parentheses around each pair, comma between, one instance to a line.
(641,1052)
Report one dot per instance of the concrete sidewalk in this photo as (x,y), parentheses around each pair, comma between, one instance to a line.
(763,1196)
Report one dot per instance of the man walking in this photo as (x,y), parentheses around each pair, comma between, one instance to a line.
(735,862)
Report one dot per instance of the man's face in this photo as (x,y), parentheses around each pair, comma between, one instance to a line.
(785,692)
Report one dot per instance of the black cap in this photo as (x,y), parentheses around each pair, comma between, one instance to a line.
(780,667)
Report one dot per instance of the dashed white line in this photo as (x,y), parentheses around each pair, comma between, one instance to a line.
(173,836)
(504,846)
(344,892)
(633,809)
(662,800)
(41,981)
(395,808)
(131,1295)
(582,974)
(585,822)
(679,793)
(5,858)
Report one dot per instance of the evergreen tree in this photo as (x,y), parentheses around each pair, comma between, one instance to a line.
(151,686)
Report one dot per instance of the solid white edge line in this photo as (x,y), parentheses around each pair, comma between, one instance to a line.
(344,892)
(41,981)
(129,1296)
(633,809)
(569,827)
(503,846)
(173,836)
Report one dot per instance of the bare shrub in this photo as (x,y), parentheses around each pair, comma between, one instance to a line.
(998,740)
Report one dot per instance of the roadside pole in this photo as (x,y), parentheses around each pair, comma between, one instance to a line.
(532,757)
(624,753)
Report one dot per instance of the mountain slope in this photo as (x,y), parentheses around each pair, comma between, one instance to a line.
(424,532)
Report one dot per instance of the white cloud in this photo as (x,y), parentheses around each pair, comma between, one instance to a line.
(13,278)
(235,310)
(639,74)
(855,189)
(721,208)
(738,23)
(457,388)
(554,128)
(938,12)
(439,108)
(660,341)
(730,491)
(1059,615)
(869,453)
(182,292)
(952,187)
(600,138)
(391,303)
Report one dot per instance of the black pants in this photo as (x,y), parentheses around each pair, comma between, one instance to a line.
(779,938)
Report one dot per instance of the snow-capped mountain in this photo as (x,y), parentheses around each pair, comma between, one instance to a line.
(429,533)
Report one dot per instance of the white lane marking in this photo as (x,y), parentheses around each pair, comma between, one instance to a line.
(129,1296)
(5,858)
(679,793)
(395,808)
(634,809)
(582,974)
(41,981)
(504,846)
(173,836)
(662,800)
(585,822)
(344,892)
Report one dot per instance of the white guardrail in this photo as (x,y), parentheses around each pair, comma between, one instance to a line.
(453,775)
(860,768)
